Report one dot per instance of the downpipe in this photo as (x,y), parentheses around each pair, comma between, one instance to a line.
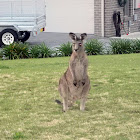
(129,26)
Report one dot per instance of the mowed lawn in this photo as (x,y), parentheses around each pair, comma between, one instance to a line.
(28,89)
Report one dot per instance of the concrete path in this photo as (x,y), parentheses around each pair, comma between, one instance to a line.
(55,39)
(135,35)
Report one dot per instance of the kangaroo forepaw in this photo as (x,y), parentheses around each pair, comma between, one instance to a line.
(83,82)
(75,83)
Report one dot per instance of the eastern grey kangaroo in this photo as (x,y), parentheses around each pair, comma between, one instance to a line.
(75,83)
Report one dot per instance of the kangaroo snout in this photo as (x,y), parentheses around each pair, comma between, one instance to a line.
(76,50)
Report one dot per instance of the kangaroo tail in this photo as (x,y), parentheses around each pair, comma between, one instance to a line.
(58,102)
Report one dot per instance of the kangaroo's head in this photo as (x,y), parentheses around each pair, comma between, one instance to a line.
(78,42)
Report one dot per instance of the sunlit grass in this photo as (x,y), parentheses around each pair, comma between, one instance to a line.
(28,89)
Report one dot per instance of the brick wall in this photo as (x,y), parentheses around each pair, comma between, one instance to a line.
(110,7)
(97,17)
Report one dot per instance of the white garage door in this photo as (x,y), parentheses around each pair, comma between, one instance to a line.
(70,16)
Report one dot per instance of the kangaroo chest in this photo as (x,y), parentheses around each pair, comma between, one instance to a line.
(79,69)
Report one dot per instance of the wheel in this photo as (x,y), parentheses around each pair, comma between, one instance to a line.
(23,36)
(0,43)
(8,36)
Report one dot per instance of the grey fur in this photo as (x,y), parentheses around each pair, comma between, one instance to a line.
(75,83)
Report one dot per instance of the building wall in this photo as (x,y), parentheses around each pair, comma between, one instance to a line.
(110,7)
(97,17)
(135,27)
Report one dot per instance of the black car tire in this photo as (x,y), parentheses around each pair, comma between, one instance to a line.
(8,36)
(23,36)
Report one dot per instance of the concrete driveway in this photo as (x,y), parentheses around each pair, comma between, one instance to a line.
(135,35)
(55,39)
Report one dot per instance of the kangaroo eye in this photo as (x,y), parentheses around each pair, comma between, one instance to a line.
(80,44)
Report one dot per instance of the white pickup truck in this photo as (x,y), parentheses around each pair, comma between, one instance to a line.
(21,18)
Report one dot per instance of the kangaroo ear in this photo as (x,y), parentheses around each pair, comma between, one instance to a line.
(83,36)
(73,36)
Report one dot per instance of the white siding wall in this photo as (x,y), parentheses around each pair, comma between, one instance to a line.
(70,16)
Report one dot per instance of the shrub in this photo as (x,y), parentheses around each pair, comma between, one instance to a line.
(93,47)
(40,51)
(136,46)
(34,51)
(1,53)
(121,46)
(65,49)
(45,51)
(16,51)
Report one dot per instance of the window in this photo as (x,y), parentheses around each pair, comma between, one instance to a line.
(127,8)
(137,4)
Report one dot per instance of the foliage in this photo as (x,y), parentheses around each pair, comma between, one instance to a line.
(45,51)
(121,46)
(40,51)
(93,47)
(125,46)
(136,46)
(1,53)
(34,51)
(65,49)
(16,50)
(23,50)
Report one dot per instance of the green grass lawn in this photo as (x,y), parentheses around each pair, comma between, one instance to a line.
(28,89)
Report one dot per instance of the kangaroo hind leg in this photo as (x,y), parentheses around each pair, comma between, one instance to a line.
(84,96)
(82,103)
(63,89)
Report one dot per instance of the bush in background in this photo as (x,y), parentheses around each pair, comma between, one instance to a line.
(93,47)
(16,51)
(1,53)
(121,46)
(45,51)
(65,49)
(34,51)
(136,46)
(40,51)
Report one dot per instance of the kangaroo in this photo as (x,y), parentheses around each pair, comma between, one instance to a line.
(75,83)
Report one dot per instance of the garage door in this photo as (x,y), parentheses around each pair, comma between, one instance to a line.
(70,16)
